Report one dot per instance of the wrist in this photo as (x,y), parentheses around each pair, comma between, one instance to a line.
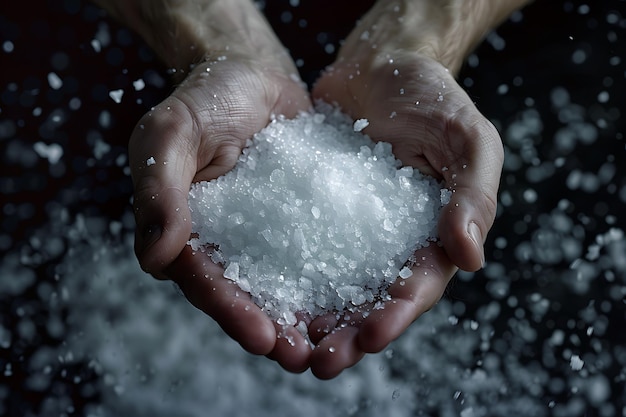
(444,30)
(185,32)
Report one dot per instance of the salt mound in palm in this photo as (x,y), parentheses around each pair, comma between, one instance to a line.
(315,216)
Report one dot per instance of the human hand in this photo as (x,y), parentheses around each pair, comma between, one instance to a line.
(197,134)
(413,102)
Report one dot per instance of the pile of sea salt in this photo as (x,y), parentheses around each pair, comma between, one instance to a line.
(315,217)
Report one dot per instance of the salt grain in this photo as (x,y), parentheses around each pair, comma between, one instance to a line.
(150,161)
(576,363)
(54,81)
(360,124)
(116,95)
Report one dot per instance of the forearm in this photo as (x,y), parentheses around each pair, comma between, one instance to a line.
(446,30)
(183,32)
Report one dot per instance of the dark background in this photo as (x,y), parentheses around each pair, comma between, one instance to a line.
(517,77)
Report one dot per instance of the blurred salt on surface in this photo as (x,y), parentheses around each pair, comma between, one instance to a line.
(150,161)
(315,217)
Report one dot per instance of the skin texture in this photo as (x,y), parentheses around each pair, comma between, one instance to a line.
(396,69)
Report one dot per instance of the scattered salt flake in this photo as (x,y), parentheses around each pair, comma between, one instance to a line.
(116,95)
(95,44)
(52,152)
(139,84)
(576,363)
(150,161)
(54,81)
(360,124)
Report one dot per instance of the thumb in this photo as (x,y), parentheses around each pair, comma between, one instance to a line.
(473,178)
(163,162)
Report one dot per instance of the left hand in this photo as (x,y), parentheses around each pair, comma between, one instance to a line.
(414,103)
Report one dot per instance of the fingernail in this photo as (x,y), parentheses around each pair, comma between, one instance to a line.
(150,235)
(474,232)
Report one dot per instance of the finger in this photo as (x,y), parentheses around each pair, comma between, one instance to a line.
(321,326)
(473,176)
(410,298)
(203,284)
(335,352)
(162,153)
(291,350)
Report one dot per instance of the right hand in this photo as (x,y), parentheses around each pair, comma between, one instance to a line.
(197,134)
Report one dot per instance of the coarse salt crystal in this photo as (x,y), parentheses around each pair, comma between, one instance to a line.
(116,95)
(150,161)
(576,363)
(360,124)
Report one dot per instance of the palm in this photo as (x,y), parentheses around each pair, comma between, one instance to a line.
(417,106)
(198,134)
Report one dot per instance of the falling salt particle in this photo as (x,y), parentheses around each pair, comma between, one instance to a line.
(360,124)
(603,97)
(396,72)
(116,95)
(576,363)
(440,97)
(95,44)
(579,56)
(139,84)
(392,115)
(331,349)
(52,152)
(150,161)
(54,81)
(7,47)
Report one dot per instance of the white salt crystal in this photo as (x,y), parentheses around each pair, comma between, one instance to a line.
(54,81)
(576,363)
(95,44)
(52,152)
(116,95)
(139,84)
(360,124)
(405,273)
(232,271)
(315,234)
(150,161)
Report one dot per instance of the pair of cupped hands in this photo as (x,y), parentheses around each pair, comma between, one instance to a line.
(198,132)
